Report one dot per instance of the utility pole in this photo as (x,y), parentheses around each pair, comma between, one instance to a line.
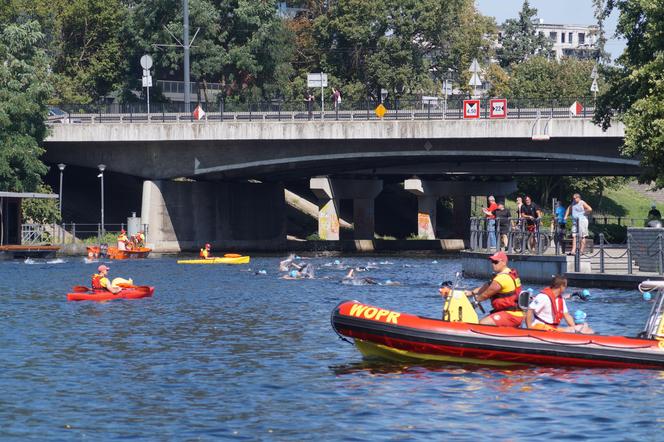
(187,85)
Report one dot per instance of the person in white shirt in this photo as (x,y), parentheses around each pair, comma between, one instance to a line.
(548,309)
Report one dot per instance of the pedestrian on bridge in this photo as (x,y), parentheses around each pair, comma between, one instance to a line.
(309,99)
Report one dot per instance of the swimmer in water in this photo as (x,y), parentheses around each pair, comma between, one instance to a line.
(304,271)
(352,280)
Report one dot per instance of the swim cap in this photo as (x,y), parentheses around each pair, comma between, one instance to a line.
(293,273)
(647,296)
(580,316)
(337,262)
(586,293)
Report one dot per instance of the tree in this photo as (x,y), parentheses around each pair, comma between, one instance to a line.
(41,211)
(24,90)
(544,79)
(636,87)
(520,40)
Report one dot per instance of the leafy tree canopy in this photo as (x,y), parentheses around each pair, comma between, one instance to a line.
(636,86)
(24,90)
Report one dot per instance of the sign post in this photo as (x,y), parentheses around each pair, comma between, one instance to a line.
(475,78)
(146,64)
(318,79)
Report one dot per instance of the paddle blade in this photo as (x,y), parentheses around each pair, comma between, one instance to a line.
(80,289)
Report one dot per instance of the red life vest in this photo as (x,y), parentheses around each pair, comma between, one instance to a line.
(557,307)
(508,301)
(96,282)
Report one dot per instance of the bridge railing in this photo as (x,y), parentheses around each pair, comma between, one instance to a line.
(71,233)
(515,236)
(420,109)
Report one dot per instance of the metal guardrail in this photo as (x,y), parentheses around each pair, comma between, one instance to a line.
(485,236)
(276,110)
(69,233)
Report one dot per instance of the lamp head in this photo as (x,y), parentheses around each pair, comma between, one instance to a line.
(102,167)
(62,166)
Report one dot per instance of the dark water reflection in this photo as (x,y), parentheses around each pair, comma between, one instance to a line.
(223,353)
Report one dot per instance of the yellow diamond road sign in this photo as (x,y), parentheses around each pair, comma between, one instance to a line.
(380,111)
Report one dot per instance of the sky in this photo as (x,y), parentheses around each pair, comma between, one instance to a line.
(568,12)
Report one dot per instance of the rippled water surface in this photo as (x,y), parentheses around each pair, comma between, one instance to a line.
(223,353)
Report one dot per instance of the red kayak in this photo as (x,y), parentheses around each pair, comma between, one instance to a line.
(104,295)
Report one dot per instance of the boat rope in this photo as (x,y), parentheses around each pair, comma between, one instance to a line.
(589,342)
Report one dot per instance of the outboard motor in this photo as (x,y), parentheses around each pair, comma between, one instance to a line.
(654,328)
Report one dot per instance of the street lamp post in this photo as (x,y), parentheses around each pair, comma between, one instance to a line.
(61,166)
(102,167)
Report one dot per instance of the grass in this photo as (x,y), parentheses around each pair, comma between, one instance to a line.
(625,202)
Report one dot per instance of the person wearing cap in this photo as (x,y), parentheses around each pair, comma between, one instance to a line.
(654,213)
(100,280)
(548,308)
(205,252)
(123,241)
(503,291)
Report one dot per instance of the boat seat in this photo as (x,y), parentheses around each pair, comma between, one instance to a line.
(524,299)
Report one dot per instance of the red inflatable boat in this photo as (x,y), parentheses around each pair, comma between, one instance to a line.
(399,336)
(105,295)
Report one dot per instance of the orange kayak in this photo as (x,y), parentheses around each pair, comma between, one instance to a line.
(104,295)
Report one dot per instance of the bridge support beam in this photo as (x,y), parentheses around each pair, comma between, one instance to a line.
(330,192)
(182,216)
(429,192)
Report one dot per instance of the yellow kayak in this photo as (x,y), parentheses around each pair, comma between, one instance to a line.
(219,260)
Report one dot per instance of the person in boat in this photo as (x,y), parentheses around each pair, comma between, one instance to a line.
(123,241)
(503,291)
(548,308)
(138,240)
(206,252)
(100,280)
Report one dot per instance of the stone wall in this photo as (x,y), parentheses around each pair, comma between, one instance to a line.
(645,247)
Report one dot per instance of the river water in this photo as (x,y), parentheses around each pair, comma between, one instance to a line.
(221,352)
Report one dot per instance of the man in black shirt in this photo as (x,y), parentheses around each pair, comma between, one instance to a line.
(503,216)
(532,214)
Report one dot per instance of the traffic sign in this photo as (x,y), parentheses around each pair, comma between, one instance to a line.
(146,62)
(594,87)
(147,81)
(475,80)
(474,66)
(317,80)
(576,108)
(498,108)
(380,111)
(471,109)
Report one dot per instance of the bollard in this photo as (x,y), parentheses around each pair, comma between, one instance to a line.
(659,254)
(601,253)
(577,254)
(629,253)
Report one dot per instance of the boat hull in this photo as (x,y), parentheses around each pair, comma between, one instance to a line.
(130,293)
(385,334)
(117,254)
(220,260)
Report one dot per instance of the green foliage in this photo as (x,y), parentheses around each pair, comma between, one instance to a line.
(541,78)
(613,233)
(24,89)
(520,40)
(636,90)
(41,211)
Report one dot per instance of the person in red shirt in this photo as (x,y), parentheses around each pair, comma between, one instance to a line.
(491,222)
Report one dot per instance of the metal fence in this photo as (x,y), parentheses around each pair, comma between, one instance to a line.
(515,237)
(406,109)
(70,233)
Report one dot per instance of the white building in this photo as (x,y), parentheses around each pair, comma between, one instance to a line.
(578,41)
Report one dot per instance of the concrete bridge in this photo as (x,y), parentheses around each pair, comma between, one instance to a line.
(232,172)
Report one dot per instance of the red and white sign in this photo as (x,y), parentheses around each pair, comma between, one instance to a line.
(199,113)
(471,108)
(498,108)
(576,108)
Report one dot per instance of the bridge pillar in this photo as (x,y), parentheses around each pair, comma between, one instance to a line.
(183,216)
(428,193)
(331,191)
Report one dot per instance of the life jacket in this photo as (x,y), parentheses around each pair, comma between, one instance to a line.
(204,253)
(508,301)
(96,282)
(557,307)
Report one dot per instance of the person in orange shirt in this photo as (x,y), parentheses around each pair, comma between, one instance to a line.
(205,252)
(491,222)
